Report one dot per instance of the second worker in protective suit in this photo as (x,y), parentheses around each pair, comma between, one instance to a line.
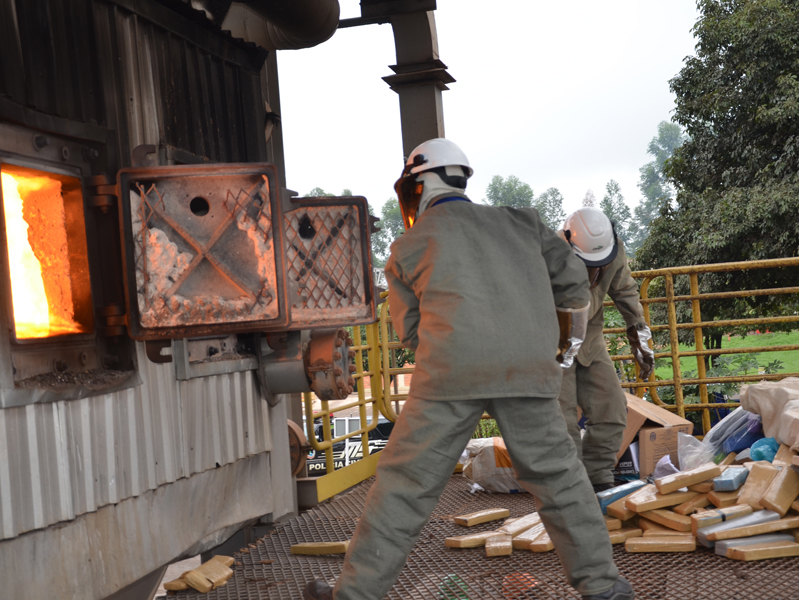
(591,382)
(475,291)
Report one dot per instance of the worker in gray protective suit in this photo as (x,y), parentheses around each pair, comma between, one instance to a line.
(477,291)
(591,382)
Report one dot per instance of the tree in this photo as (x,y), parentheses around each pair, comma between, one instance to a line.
(550,206)
(391,227)
(654,186)
(589,199)
(509,192)
(616,209)
(737,177)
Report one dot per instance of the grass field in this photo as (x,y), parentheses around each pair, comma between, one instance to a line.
(789,358)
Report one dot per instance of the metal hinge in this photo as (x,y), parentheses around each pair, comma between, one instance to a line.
(102,192)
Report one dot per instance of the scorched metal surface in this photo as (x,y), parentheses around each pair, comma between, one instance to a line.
(268,570)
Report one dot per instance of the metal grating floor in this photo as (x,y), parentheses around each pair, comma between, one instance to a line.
(268,570)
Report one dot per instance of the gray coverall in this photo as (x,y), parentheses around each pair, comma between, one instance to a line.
(473,290)
(591,382)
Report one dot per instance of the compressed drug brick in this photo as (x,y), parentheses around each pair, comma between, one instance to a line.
(765,538)
(711,517)
(482,516)
(619,536)
(731,479)
(690,506)
(668,518)
(675,481)
(764,551)
(666,543)
(757,483)
(608,497)
(782,492)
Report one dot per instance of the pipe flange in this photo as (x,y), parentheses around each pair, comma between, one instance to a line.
(328,364)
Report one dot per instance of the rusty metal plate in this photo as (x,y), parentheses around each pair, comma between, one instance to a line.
(268,570)
(203,247)
(329,262)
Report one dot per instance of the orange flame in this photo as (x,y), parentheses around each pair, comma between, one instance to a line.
(32,315)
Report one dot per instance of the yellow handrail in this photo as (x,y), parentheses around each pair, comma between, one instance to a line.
(699,326)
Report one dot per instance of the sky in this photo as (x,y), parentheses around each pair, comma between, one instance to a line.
(559,94)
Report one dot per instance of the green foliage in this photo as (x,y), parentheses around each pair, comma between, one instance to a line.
(391,227)
(654,186)
(617,343)
(737,177)
(726,365)
(508,192)
(616,209)
(550,206)
(486,428)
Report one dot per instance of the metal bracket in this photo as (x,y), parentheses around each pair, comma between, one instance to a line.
(138,156)
(153,349)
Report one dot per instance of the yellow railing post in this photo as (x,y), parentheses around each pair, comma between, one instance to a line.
(699,344)
(675,345)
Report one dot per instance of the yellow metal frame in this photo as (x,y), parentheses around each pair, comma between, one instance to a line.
(698,326)
(378,354)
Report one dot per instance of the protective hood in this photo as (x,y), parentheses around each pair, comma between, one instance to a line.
(435,188)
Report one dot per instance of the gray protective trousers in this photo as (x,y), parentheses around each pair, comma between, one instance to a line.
(418,461)
(596,390)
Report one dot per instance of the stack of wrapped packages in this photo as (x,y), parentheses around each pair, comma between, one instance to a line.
(736,491)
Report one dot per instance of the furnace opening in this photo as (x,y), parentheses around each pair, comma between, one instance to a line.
(47,254)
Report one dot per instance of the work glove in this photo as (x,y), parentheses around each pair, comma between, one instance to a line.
(573,324)
(639,336)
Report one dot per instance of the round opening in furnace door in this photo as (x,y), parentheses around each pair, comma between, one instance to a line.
(199,206)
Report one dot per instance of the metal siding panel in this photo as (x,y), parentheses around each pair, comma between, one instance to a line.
(196,94)
(211,135)
(12,73)
(6,500)
(66,506)
(165,84)
(64,64)
(151,108)
(238,418)
(35,489)
(221,117)
(180,89)
(60,460)
(129,67)
(36,39)
(233,108)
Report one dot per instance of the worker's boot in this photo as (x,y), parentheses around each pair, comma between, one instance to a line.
(621,590)
(318,590)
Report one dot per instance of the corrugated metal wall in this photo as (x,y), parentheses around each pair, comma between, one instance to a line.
(64,459)
(138,68)
(148,76)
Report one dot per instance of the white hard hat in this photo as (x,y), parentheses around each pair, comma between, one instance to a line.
(438,152)
(591,234)
(442,157)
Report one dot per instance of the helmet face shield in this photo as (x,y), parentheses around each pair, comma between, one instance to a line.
(409,192)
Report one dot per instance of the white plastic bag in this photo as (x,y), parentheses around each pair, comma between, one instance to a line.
(489,466)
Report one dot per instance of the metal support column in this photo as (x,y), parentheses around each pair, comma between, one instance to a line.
(419,78)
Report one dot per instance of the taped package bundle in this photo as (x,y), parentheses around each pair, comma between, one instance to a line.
(488,464)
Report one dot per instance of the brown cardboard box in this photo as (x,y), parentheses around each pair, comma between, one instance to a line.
(656,429)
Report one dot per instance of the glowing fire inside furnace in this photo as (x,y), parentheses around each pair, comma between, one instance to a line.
(38,256)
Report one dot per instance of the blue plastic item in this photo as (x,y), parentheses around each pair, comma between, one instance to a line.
(610,496)
(731,479)
(745,435)
(765,449)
